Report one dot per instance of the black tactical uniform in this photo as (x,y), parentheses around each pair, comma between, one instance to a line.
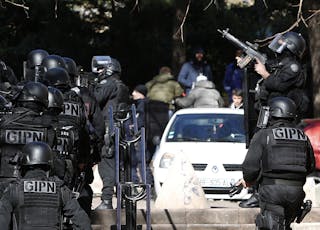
(110,91)
(93,112)
(279,158)
(37,201)
(286,77)
(96,130)
(24,125)
(66,138)
(73,118)
(73,113)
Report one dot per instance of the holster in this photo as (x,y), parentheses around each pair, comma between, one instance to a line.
(305,209)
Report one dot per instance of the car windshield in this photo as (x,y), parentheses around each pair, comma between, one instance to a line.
(207,128)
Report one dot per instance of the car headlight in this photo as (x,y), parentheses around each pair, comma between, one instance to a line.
(166,160)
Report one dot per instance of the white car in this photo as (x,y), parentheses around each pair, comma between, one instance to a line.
(213,140)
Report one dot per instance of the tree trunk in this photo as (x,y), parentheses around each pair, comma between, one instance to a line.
(178,47)
(314,46)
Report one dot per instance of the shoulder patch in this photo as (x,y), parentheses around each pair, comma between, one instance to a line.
(294,67)
(286,133)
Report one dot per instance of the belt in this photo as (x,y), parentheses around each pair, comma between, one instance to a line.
(270,181)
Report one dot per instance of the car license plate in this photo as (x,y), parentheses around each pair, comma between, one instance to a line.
(215,182)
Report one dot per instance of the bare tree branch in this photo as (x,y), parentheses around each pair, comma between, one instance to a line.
(209,4)
(136,6)
(56,9)
(17,4)
(180,30)
(25,10)
(295,24)
(315,12)
(265,4)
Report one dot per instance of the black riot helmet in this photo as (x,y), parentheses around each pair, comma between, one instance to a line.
(291,41)
(282,107)
(278,108)
(34,92)
(57,77)
(99,62)
(35,58)
(52,61)
(37,154)
(55,98)
(109,67)
(71,67)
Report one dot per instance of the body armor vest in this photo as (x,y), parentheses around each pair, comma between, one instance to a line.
(14,134)
(74,111)
(39,205)
(286,151)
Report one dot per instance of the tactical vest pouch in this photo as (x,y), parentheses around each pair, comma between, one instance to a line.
(39,206)
(286,151)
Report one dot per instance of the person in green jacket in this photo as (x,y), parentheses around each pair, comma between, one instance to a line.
(164,87)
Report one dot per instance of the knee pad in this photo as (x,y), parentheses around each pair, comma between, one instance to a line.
(269,221)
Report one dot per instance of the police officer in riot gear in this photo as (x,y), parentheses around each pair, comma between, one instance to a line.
(25,124)
(284,76)
(37,201)
(73,116)
(279,158)
(65,138)
(34,60)
(109,91)
(96,132)
(93,112)
(51,61)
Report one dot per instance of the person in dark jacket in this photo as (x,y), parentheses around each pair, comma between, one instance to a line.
(192,69)
(284,75)
(37,201)
(280,173)
(110,91)
(233,76)
(139,97)
(24,124)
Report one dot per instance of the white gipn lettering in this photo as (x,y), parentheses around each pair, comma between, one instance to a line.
(39,186)
(285,133)
(23,136)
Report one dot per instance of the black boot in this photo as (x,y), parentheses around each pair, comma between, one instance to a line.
(252,202)
(105,204)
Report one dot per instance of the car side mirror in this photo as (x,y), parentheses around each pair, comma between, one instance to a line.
(156,140)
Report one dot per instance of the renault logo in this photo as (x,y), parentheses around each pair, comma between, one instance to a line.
(214,169)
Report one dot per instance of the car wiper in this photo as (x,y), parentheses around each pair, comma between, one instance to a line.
(186,139)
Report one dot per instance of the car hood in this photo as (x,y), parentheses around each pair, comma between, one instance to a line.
(201,152)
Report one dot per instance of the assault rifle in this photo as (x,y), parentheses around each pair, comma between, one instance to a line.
(250,49)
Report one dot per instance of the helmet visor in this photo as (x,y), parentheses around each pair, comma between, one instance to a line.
(99,62)
(278,44)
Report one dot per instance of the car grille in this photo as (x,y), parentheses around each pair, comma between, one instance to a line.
(216,190)
(232,167)
(199,167)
